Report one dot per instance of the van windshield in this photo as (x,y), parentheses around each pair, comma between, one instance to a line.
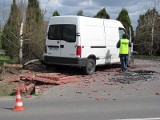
(66,32)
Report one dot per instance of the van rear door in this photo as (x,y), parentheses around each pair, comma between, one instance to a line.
(62,40)
(53,40)
(68,41)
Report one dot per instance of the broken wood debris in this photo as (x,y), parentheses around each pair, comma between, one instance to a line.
(38,82)
(56,80)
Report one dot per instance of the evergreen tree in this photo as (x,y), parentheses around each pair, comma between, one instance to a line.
(34,31)
(124,18)
(10,34)
(80,13)
(102,14)
(56,13)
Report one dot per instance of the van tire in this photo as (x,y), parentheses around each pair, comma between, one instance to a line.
(48,66)
(51,67)
(90,67)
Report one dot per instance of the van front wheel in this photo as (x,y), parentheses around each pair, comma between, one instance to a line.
(90,67)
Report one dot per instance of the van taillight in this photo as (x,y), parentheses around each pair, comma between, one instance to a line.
(79,51)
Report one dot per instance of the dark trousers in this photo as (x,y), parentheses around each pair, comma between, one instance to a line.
(124,62)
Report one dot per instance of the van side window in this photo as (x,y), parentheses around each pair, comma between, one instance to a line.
(69,33)
(121,32)
(62,32)
(54,32)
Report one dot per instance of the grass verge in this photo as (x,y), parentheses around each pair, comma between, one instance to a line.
(6,59)
(146,57)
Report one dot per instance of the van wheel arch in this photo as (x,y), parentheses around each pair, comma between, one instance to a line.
(92,57)
(90,67)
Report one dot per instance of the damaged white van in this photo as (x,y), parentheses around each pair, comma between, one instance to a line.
(82,41)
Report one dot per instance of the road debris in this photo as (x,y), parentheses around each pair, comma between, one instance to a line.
(133,76)
(35,78)
(101,98)
(157,93)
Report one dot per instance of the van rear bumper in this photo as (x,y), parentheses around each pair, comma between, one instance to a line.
(65,61)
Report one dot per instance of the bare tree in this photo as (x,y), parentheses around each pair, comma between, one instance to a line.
(22,5)
(148,30)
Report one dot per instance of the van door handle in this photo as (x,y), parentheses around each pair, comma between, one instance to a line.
(62,46)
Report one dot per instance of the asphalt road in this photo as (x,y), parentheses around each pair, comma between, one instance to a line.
(90,101)
(55,106)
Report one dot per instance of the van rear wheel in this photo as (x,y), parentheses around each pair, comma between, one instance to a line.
(90,67)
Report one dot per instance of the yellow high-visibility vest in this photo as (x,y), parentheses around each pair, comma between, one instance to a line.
(124,46)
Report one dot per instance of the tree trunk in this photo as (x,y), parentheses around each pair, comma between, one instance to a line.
(21,44)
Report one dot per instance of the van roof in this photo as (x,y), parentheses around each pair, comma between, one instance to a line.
(107,22)
(74,16)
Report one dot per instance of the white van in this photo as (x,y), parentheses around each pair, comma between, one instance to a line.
(82,41)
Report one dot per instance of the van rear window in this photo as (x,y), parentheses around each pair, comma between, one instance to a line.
(66,32)
(54,32)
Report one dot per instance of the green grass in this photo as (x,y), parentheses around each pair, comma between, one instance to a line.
(147,57)
(6,59)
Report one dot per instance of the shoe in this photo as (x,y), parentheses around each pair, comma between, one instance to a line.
(127,70)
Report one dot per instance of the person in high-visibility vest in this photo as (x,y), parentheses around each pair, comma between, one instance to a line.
(123,45)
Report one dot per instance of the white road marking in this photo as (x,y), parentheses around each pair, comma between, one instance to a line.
(140,119)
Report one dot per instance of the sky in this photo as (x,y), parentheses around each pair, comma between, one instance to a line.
(91,7)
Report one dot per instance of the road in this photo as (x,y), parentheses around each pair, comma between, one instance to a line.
(91,99)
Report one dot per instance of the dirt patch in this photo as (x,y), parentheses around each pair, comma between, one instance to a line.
(142,71)
(30,79)
(6,88)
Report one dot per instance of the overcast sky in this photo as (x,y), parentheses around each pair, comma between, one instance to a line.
(91,7)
